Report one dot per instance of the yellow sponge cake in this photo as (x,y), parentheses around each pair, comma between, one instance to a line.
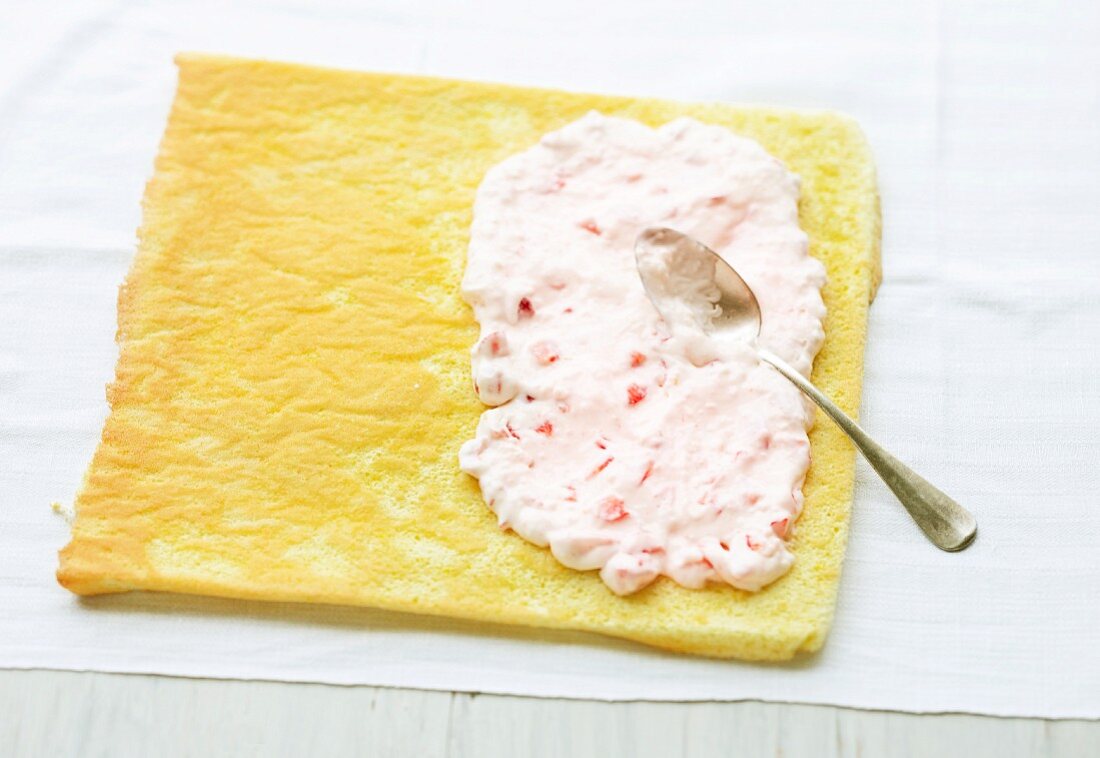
(293,380)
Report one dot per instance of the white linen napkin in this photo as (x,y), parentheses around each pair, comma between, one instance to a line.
(983,352)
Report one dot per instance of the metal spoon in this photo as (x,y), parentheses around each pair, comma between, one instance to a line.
(945,522)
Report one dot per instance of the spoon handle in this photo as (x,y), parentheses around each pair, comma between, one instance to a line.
(950,526)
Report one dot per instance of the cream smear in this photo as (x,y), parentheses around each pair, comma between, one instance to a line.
(624,443)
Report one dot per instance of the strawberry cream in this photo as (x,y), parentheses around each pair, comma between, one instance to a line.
(626,444)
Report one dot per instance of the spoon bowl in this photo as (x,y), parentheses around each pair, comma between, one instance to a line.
(739,309)
(946,523)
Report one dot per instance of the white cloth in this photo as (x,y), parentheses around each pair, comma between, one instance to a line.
(983,353)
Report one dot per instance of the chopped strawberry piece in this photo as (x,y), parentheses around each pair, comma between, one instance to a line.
(545,428)
(601,444)
(530,398)
(568,310)
(572,496)
(526,310)
(590,226)
(495,342)
(648,471)
(602,466)
(545,352)
(725,545)
(780,527)
(511,431)
(636,359)
(635,394)
(613,509)
(766,441)
(708,564)
(753,544)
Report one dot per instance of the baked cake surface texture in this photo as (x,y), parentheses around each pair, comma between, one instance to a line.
(293,381)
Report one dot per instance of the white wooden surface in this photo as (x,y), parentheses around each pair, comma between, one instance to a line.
(56,713)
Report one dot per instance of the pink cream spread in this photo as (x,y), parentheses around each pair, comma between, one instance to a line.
(625,443)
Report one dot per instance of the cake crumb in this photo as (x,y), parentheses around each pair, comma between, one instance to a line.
(65,512)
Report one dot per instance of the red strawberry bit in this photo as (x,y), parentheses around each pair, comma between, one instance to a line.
(613,509)
(724,545)
(636,359)
(530,398)
(766,441)
(602,445)
(545,352)
(526,310)
(511,431)
(602,466)
(568,310)
(495,343)
(708,564)
(648,471)
(572,496)
(545,428)
(780,527)
(635,394)
(590,226)
(753,544)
